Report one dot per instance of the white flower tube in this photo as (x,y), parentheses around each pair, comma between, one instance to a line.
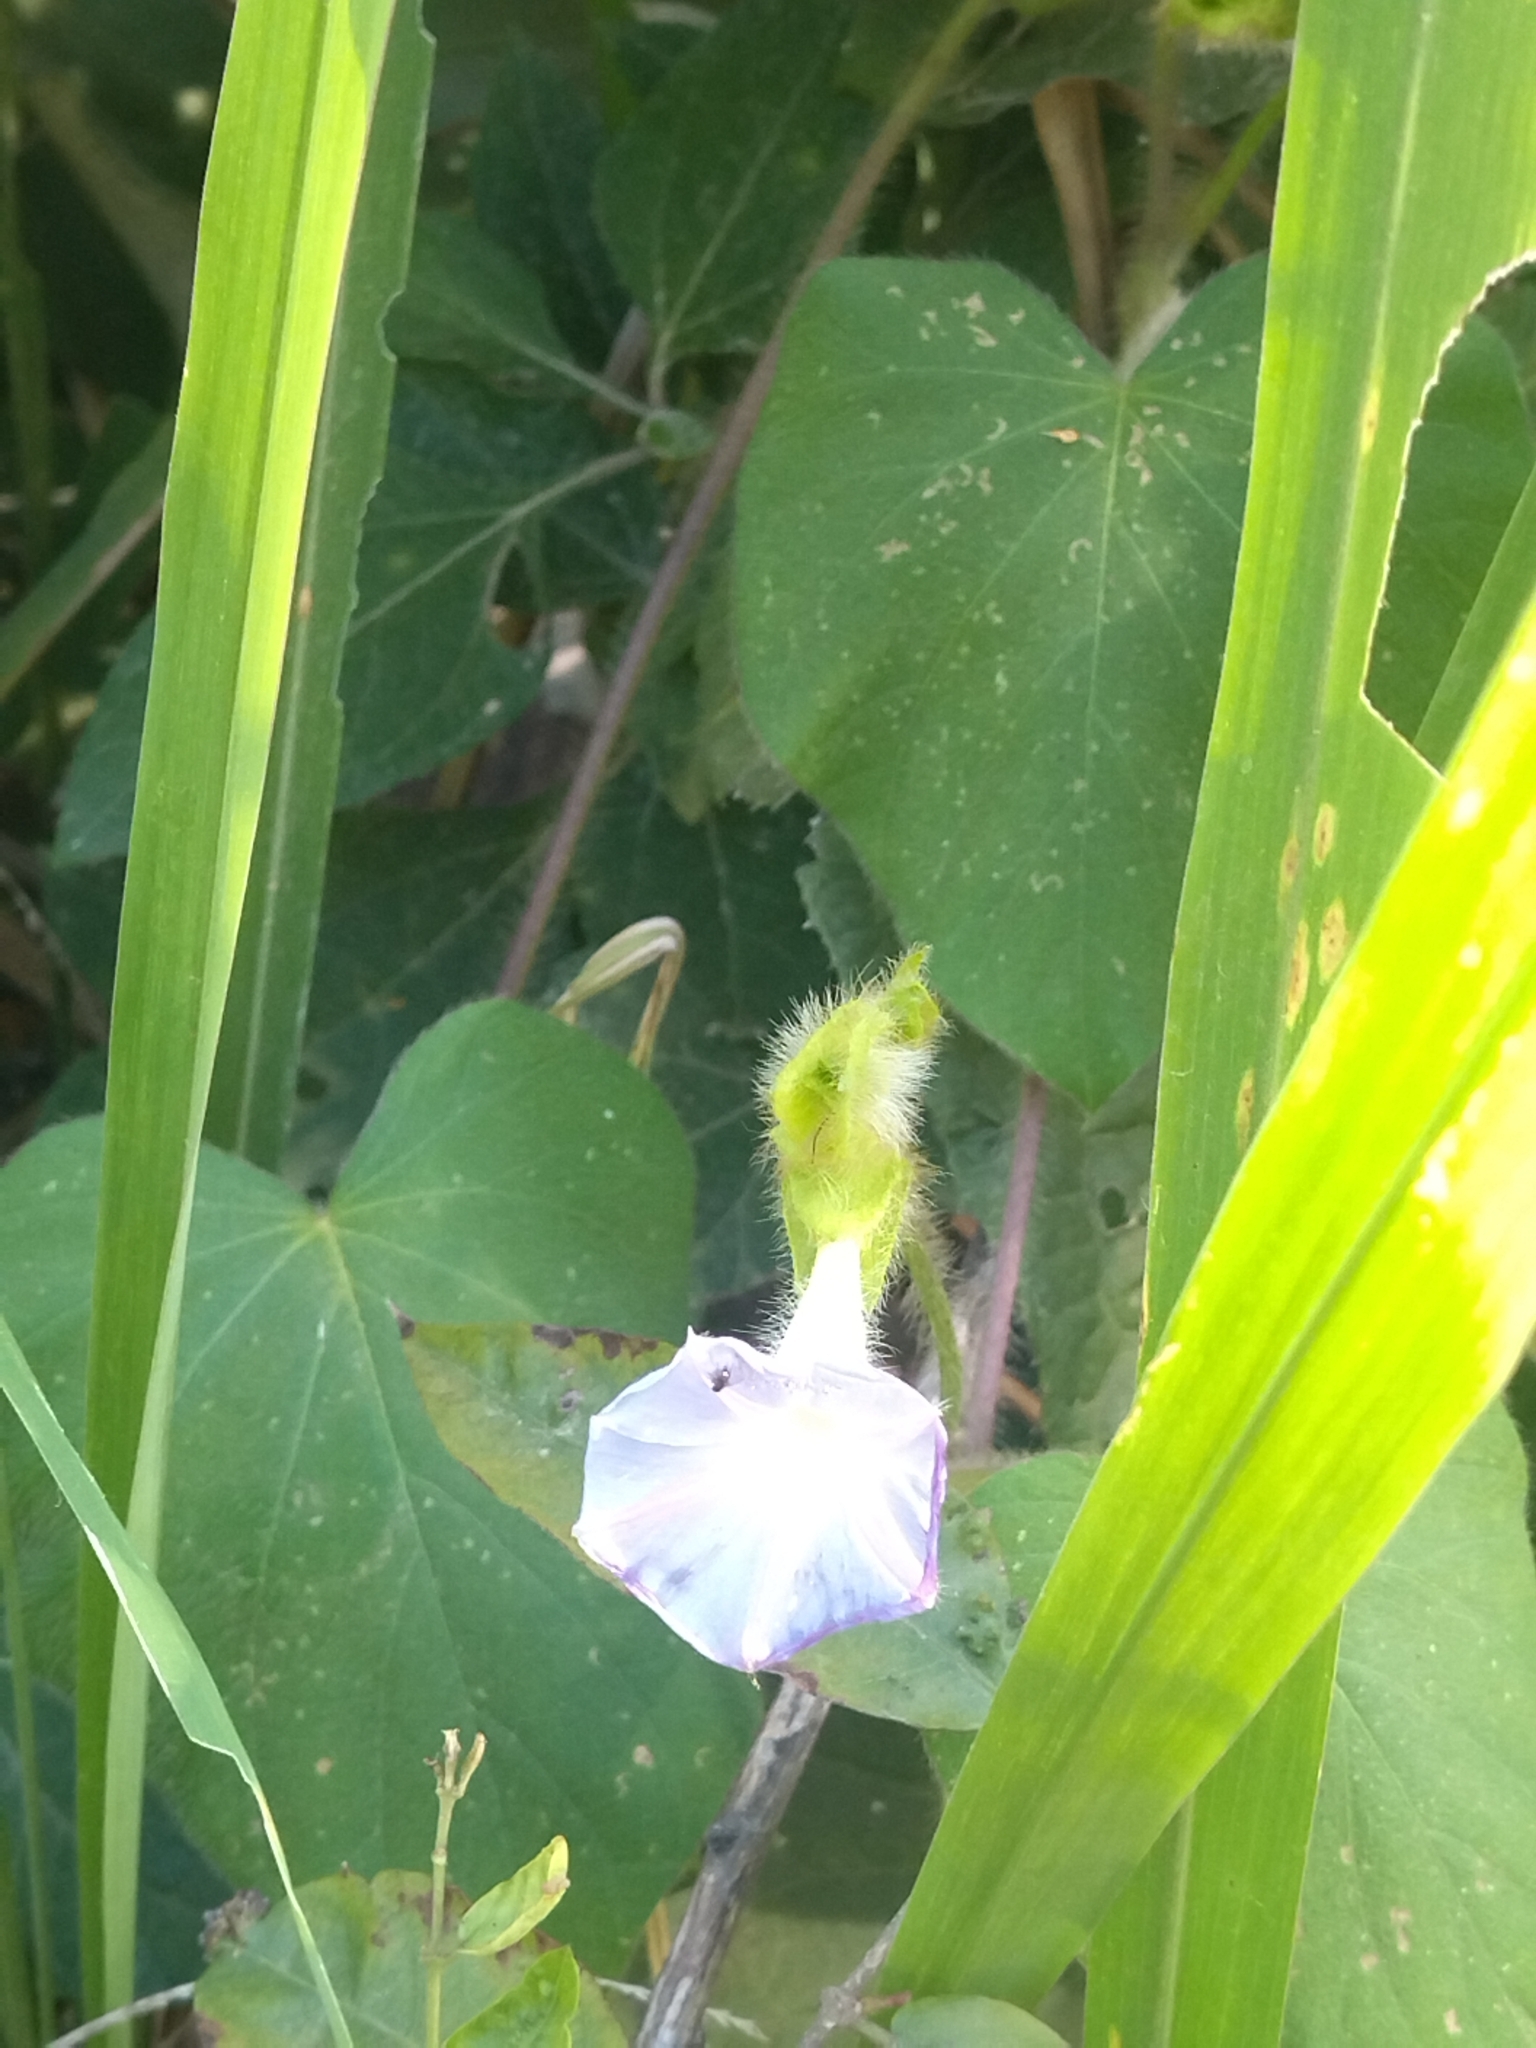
(759,1501)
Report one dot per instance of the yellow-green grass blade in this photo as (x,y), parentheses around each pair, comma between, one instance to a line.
(174,1657)
(282,182)
(1306,801)
(251,1096)
(1281,1432)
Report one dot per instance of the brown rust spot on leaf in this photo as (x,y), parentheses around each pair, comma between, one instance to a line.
(1324,832)
(1296,986)
(1332,940)
(1246,1089)
(1290,865)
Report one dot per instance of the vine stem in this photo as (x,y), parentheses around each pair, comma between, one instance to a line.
(842,2004)
(981,1405)
(719,474)
(737,1841)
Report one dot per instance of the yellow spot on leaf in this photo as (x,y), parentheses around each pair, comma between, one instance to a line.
(1290,865)
(1068,434)
(1332,940)
(1246,1089)
(1324,832)
(1296,986)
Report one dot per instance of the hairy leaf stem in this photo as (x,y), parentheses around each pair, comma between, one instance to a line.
(718,476)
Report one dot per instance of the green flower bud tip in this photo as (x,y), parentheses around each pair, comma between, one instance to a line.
(842,1087)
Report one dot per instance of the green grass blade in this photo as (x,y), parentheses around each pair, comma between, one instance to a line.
(1306,801)
(281,185)
(1281,1433)
(129,508)
(253,1078)
(26,1757)
(174,1658)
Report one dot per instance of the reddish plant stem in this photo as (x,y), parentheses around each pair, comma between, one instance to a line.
(986,1382)
(719,474)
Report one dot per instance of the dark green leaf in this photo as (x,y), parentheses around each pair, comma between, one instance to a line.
(390,1594)
(1084,1259)
(177,1883)
(470,477)
(1471,456)
(712,196)
(961,538)
(470,301)
(501,1176)
(1419,1894)
(861,1817)
(532,177)
(418,910)
(730,883)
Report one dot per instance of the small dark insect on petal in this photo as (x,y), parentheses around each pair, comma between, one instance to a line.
(719,1376)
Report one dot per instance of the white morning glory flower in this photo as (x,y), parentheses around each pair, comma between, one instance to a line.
(760,1500)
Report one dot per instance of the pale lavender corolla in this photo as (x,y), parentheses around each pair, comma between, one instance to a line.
(761,1500)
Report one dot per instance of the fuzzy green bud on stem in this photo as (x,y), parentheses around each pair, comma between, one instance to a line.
(843,1088)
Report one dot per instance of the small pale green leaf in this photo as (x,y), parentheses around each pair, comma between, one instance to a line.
(517,1905)
(970,2023)
(512,1402)
(711,197)
(536,2013)
(962,536)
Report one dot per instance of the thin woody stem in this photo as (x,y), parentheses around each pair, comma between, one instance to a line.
(981,1407)
(719,474)
(734,1848)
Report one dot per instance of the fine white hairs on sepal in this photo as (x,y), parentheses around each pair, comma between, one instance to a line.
(761,1500)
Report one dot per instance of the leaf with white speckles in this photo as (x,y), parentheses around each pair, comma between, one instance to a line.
(353,1587)
(982,587)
